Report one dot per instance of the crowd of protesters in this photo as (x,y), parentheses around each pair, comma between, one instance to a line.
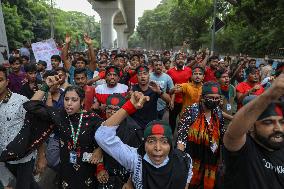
(141,119)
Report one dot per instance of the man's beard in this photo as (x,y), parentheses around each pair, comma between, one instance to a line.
(267,142)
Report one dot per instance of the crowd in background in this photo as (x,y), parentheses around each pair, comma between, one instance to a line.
(50,122)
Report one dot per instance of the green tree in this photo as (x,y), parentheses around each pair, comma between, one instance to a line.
(30,20)
(16,33)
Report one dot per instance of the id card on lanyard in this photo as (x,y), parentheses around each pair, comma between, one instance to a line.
(73,157)
(73,154)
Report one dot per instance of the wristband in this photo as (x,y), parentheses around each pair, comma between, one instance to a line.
(44,87)
(129,107)
(100,167)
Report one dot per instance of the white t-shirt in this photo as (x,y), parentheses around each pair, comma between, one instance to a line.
(12,116)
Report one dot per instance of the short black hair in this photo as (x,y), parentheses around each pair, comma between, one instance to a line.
(261,64)
(270,61)
(56,57)
(159,60)
(103,62)
(13,59)
(4,70)
(218,74)
(137,55)
(25,57)
(42,63)
(49,73)
(251,70)
(214,57)
(30,68)
(61,69)
(165,60)
(81,59)
(119,56)
(252,60)
(80,71)
(77,89)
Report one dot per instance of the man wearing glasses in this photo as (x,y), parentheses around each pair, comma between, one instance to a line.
(200,131)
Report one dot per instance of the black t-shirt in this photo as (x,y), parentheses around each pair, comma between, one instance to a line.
(27,91)
(253,167)
(149,112)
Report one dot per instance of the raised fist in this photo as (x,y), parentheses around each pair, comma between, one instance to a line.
(138,99)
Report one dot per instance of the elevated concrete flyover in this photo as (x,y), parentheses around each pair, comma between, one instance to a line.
(118,15)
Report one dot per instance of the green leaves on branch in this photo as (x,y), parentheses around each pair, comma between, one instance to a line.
(30,20)
(253,27)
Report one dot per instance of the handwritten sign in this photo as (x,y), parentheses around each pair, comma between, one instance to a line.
(44,50)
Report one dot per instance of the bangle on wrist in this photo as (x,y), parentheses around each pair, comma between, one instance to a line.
(44,87)
(129,107)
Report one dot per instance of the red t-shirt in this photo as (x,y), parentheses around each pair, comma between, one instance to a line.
(89,97)
(209,75)
(244,87)
(179,77)
(133,80)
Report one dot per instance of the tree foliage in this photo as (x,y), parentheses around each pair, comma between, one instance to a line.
(30,20)
(174,21)
(252,26)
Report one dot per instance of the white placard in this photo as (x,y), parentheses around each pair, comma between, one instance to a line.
(44,50)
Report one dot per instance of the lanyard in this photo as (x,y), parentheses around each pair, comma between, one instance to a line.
(73,134)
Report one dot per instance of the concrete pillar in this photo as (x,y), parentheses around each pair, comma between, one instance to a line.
(122,37)
(107,11)
(3,36)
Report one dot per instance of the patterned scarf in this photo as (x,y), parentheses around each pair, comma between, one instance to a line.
(204,142)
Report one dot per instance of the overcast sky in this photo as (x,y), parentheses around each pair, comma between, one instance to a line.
(85,7)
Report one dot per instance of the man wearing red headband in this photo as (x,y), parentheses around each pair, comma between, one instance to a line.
(254,142)
(228,94)
(149,112)
(112,86)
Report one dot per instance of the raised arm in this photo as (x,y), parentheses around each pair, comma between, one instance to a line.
(112,144)
(177,89)
(50,82)
(93,60)
(65,58)
(205,60)
(244,119)
(137,101)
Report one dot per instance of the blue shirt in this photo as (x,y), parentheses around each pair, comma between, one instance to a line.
(90,74)
(166,83)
